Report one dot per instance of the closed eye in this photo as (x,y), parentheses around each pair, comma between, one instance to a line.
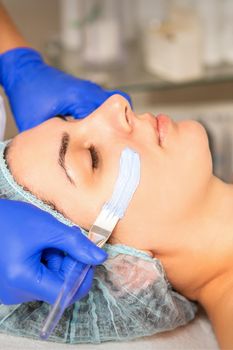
(91,149)
(94,157)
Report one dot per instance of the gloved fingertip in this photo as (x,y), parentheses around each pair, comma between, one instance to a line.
(90,253)
(99,256)
(80,113)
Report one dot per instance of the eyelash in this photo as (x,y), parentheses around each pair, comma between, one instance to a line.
(63,117)
(94,157)
(92,149)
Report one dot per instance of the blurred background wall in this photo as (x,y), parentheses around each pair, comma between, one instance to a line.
(37,20)
(162,52)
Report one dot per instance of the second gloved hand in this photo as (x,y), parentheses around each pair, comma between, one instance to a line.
(33,265)
(37,91)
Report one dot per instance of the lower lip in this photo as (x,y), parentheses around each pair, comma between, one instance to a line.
(163,122)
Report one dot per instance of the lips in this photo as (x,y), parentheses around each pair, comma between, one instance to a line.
(163,122)
(157,130)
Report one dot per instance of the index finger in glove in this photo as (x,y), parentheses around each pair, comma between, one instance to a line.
(72,241)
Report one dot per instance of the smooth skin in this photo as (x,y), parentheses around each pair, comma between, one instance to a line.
(181,213)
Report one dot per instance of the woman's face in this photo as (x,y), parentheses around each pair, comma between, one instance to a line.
(74,164)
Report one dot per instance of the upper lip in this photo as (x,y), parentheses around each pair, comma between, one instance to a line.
(157,129)
(155,124)
(152,120)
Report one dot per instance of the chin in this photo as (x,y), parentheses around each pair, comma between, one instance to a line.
(195,151)
(194,136)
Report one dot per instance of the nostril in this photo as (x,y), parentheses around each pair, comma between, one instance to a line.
(125,120)
(129,116)
(126,114)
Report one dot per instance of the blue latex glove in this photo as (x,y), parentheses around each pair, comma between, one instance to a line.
(32,263)
(37,91)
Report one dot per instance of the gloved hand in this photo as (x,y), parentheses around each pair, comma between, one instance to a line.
(32,263)
(37,91)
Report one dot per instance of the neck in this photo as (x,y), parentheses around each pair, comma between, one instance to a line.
(203,254)
(216,238)
(217,299)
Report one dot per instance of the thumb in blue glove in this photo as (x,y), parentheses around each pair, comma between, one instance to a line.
(24,244)
(62,264)
(37,91)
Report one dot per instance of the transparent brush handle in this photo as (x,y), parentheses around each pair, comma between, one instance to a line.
(70,287)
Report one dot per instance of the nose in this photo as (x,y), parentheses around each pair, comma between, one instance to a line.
(119,113)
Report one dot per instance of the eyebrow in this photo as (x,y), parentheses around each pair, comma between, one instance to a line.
(65,140)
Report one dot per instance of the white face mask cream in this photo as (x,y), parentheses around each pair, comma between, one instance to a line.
(113,210)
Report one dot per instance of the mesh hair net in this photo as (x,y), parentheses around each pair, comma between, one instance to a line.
(130,297)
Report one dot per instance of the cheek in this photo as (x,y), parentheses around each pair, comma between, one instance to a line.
(172,185)
(189,169)
(193,147)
